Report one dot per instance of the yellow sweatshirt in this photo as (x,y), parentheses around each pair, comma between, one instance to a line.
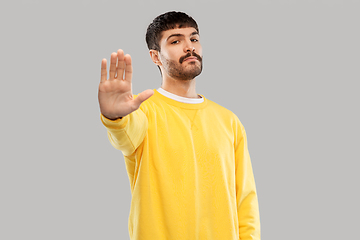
(190,172)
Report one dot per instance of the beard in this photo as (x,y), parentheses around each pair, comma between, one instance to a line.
(177,71)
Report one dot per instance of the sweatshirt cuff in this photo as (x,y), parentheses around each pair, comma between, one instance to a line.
(114,124)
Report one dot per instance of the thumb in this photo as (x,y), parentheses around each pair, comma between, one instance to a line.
(142,97)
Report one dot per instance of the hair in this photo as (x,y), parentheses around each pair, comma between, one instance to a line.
(166,21)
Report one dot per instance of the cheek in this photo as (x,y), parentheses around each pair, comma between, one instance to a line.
(163,57)
(199,51)
(173,57)
(167,54)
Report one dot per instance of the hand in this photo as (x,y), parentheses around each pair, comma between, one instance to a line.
(115,94)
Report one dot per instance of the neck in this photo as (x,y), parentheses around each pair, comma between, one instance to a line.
(182,88)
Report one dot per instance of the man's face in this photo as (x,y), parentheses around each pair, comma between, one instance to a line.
(181,53)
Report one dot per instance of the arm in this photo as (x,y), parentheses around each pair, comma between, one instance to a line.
(120,112)
(246,197)
(127,134)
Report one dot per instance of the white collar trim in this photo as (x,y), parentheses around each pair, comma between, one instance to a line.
(180,99)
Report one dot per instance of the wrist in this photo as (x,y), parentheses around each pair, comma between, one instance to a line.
(112,118)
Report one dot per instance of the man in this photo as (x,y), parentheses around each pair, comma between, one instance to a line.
(186,157)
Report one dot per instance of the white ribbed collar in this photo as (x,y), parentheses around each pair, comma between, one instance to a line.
(180,99)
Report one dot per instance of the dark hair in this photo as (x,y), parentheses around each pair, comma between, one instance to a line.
(166,21)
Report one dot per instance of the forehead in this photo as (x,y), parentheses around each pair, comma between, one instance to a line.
(187,31)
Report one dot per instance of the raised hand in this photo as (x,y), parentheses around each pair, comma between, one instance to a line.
(115,94)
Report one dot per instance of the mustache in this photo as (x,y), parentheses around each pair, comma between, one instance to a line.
(189,55)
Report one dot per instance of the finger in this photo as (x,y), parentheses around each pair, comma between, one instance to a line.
(103,71)
(121,64)
(113,61)
(142,97)
(128,68)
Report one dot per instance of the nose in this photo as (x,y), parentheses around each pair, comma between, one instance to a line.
(189,47)
(192,49)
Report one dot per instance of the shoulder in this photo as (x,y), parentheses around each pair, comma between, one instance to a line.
(226,115)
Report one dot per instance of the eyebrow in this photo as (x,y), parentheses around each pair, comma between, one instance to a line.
(181,35)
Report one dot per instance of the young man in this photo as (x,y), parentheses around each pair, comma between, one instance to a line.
(186,157)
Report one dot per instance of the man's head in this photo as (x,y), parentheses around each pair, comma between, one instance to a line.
(167,21)
(173,41)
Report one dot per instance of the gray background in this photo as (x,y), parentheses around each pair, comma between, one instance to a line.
(288,69)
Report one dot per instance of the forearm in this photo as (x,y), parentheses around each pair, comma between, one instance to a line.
(249,219)
(127,133)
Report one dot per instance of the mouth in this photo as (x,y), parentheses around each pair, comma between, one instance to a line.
(192,58)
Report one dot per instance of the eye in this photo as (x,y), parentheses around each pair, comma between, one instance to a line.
(175,42)
(194,40)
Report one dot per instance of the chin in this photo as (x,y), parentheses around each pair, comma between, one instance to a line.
(189,75)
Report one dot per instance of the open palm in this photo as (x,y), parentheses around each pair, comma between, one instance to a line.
(115,93)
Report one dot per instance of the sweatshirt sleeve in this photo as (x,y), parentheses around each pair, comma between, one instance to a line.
(246,196)
(128,133)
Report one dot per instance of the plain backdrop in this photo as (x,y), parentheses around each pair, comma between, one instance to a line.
(289,69)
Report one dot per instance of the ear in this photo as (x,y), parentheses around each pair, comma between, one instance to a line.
(154,54)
